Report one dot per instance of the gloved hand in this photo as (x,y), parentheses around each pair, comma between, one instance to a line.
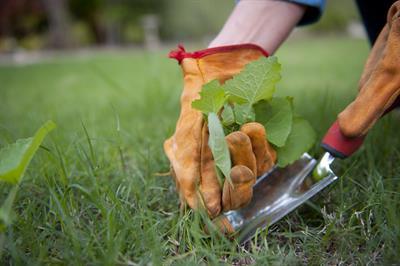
(193,167)
(379,86)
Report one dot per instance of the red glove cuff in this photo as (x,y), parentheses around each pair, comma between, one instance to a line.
(180,53)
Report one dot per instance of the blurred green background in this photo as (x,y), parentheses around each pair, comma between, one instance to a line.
(56,24)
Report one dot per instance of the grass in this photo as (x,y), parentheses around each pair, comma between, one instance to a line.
(92,195)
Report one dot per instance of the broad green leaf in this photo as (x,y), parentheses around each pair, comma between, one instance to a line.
(276,116)
(15,158)
(255,82)
(218,145)
(244,113)
(227,116)
(212,98)
(300,140)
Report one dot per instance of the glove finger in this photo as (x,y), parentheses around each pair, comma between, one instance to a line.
(223,225)
(209,186)
(185,174)
(381,89)
(265,155)
(240,149)
(173,175)
(239,193)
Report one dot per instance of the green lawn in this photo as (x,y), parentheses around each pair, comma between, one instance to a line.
(98,198)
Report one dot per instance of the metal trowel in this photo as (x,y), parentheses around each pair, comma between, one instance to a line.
(281,190)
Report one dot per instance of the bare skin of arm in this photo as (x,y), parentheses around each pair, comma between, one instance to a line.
(266,23)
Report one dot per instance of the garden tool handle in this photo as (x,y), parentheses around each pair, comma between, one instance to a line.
(341,146)
(338,144)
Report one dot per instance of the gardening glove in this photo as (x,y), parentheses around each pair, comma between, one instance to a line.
(379,86)
(193,167)
(251,156)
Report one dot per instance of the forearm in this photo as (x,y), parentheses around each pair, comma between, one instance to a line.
(266,23)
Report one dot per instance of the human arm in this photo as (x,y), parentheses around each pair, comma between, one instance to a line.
(265,23)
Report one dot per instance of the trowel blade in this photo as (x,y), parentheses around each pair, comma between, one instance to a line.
(279,192)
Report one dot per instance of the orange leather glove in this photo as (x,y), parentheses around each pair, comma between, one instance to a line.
(379,86)
(193,167)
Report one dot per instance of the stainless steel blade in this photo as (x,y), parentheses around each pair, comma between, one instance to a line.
(279,192)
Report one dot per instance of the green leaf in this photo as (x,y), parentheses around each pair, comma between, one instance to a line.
(227,116)
(6,211)
(218,145)
(276,116)
(255,82)
(212,98)
(15,158)
(299,141)
(244,113)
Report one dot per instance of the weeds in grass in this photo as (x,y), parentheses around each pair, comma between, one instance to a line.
(93,195)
